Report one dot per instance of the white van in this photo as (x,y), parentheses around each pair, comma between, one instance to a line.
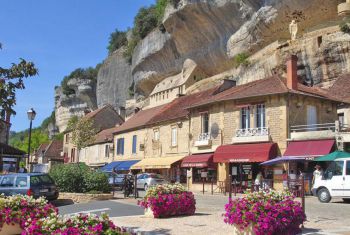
(335,182)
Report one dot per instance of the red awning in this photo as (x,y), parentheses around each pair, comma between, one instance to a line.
(245,152)
(310,148)
(198,160)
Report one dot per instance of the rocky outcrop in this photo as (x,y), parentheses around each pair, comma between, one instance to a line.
(114,80)
(67,106)
(212,32)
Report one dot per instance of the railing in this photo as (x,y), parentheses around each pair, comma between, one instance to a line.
(313,127)
(252,132)
(204,136)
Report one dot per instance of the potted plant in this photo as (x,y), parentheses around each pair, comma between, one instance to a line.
(168,200)
(265,213)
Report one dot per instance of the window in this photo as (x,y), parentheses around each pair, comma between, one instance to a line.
(173,136)
(205,122)
(134,144)
(120,146)
(311,115)
(156,134)
(347,167)
(260,116)
(67,138)
(245,118)
(21,181)
(7,181)
(335,168)
(341,119)
(72,155)
(107,149)
(34,181)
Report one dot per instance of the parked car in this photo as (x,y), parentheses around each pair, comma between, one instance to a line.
(32,184)
(118,180)
(335,182)
(149,179)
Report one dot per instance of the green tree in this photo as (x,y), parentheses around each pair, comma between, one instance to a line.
(83,133)
(21,140)
(117,39)
(11,80)
(145,21)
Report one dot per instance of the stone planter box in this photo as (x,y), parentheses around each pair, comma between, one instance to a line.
(149,213)
(10,229)
(85,197)
(248,231)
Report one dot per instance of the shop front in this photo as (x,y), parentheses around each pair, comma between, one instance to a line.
(242,162)
(10,158)
(200,169)
(168,167)
(298,160)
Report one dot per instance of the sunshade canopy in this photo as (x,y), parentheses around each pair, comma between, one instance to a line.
(333,156)
(198,160)
(156,163)
(119,165)
(309,148)
(245,152)
(279,160)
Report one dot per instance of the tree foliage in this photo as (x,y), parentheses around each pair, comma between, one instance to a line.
(83,133)
(20,140)
(89,73)
(241,59)
(11,80)
(117,39)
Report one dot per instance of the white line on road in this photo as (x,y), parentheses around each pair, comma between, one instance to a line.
(89,211)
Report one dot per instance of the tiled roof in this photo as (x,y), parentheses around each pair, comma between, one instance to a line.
(140,119)
(9,150)
(95,112)
(105,135)
(54,149)
(341,88)
(41,149)
(268,86)
(177,108)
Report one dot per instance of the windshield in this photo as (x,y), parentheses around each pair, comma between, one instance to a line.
(155,176)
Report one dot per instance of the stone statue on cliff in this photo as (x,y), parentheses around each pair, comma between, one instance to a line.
(293,30)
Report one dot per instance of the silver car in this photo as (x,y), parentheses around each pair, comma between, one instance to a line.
(149,179)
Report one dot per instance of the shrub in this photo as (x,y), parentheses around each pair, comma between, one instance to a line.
(241,59)
(344,27)
(96,182)
(169,200)
(269,213)
(78,178)
(117,39)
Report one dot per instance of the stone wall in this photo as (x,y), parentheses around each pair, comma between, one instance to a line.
(84,197)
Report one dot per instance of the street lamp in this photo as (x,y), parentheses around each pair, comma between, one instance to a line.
(31,115)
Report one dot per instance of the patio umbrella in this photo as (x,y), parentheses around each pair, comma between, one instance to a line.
(333,156)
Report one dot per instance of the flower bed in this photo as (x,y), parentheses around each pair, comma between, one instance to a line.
(268,213)
(36,216)
(169,200)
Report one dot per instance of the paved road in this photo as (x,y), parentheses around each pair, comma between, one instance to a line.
(113,208)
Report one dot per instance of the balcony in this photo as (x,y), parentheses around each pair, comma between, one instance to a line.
(204,139)
(250,135)
(314,131)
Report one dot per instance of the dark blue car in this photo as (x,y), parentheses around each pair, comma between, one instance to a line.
(32,184)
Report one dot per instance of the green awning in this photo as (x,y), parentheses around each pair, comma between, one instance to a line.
(333,156)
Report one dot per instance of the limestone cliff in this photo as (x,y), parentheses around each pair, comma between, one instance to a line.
(66,106)
(114,80)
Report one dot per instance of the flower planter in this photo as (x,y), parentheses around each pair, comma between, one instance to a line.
(149,212)
(247,231)
(10,229)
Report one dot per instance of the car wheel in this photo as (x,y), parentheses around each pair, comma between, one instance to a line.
(323,195)
(145,187)
(347,200)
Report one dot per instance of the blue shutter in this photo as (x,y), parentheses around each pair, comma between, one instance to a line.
(122,140)
(134,140)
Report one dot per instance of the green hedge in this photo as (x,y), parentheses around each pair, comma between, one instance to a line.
(79,178)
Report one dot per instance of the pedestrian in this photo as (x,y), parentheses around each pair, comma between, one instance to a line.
(317,175)
(293,178)
(22,168)
(258,181)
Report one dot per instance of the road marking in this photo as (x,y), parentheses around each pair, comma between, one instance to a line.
(89,211)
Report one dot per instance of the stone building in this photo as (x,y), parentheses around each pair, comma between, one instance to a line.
(104,118)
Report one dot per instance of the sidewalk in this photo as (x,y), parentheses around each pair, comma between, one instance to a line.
(328,219)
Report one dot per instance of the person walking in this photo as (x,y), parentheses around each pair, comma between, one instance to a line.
(317,174)
(258,181)
(285,180)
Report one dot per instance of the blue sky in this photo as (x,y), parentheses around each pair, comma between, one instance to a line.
(58,36)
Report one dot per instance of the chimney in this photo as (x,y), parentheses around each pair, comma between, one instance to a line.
(121,112)
(86,111)
(292,72)
(136,110)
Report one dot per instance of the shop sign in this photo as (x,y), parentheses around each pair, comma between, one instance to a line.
(194,165)
(6,159)
(239,160)
(204,174)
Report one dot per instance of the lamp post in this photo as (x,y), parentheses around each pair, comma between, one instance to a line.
(31,115)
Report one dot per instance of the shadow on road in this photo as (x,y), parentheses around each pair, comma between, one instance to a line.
(153,232)
(311,231)
(62,202)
